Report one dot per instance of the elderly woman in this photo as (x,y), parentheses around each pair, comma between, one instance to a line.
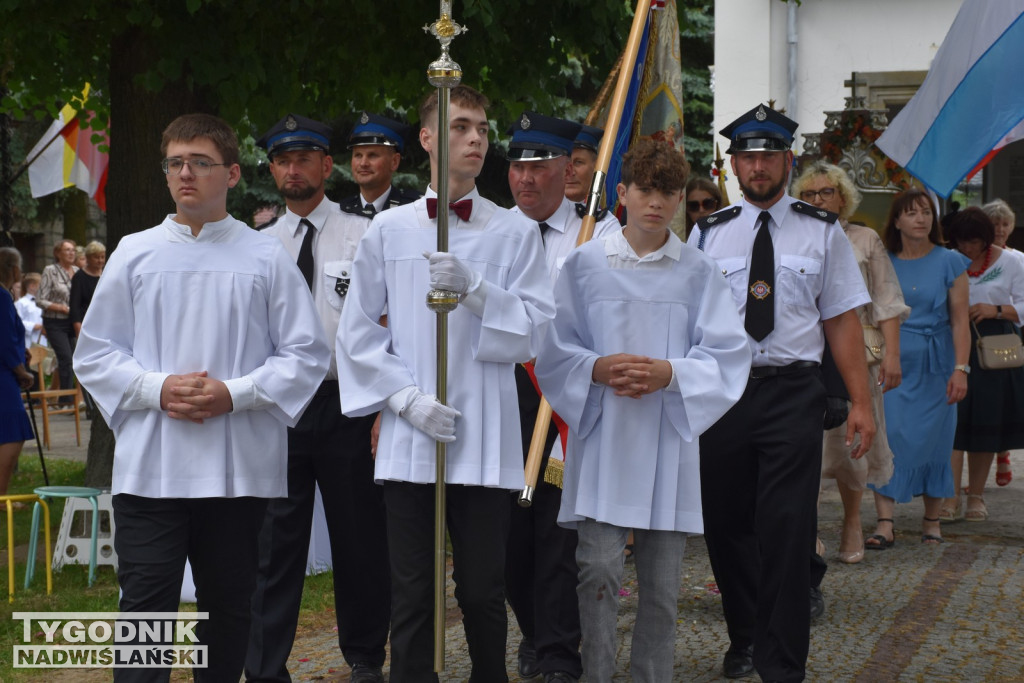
(935,341)
(84,282)
(703,198)
(14,424)
(829,187)
(1004,220)
(991,418)
(54,298)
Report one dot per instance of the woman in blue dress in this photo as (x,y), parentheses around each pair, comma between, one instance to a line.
(14,424)
(934,348)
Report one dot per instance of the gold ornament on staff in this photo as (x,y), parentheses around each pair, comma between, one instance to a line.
(444,74)
(604,156)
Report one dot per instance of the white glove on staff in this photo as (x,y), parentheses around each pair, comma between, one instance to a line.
(449,273)
(425,413)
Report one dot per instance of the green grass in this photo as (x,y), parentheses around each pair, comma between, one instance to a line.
(71,592)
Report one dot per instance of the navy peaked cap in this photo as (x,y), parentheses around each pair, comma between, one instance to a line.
(762,129)
(536,137)
(296,132)
(372,129)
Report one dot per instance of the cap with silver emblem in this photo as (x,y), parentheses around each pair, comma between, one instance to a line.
(536,137)
(762,129)
(296,132)
(372,129)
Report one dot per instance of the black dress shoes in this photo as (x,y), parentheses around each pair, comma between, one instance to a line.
(528,667)
(817,603)
(738,662)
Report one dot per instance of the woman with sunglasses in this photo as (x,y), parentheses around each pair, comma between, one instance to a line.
(829,187)
(702,199)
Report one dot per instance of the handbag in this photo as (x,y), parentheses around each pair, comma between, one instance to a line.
(874,344)
(999,351)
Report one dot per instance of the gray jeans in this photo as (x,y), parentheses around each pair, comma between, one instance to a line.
(659,557)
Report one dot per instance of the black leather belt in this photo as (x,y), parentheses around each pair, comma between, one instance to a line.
(763,371)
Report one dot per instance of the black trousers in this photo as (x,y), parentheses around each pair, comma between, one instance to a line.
(62,339)
(477,520)
(219,538)
(328,450)
(540,570)
(760,468)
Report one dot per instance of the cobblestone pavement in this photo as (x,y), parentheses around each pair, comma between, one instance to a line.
(911,613)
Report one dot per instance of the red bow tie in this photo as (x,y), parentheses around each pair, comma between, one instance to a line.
(461,208)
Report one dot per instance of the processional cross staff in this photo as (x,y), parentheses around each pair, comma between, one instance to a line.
(604,156)
(444,74)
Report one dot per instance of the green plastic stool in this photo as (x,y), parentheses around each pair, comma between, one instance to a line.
(49,492)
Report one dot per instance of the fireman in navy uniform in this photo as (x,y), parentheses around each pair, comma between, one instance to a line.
(540,566)
(796,282)
(325,449)
(377,144)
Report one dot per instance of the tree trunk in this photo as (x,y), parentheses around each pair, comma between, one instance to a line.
(99,462)
(137,196)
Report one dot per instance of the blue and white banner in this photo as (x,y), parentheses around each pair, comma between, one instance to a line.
(971,100)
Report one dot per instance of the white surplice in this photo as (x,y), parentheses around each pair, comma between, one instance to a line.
(230,302)
(390,273)
(635,462)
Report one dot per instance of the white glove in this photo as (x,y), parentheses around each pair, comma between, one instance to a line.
(447,272)
(425,413)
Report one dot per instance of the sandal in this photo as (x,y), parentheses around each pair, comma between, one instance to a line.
(931,539)
(952,511)
(1004,475)
(878,541)
(977,513)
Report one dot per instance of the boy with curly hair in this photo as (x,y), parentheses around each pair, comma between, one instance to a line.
(646,352)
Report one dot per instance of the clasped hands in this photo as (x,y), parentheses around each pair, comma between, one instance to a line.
(631,375)
(194,397)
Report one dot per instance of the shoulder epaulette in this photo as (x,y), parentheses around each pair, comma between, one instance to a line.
(399,196)
(266,225)
(719,217)
(354,206)
(813,211)
(581,211)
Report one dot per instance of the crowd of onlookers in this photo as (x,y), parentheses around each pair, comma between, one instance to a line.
(40,310)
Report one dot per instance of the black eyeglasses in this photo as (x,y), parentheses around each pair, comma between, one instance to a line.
(826,193)
(199,167)
(708,204)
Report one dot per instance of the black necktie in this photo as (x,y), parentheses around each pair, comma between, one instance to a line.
(544,227)
(760,317)
(369,211)
(305,260)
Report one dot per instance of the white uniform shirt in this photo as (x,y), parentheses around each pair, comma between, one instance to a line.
(565,230)
(231,302)
(635,462)
(334,248)
(374,362)
(31,315)
(1001,284)
(816,276)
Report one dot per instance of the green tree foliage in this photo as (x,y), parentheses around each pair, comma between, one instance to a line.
(253,62)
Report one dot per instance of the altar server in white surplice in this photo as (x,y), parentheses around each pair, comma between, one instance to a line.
(200,347)
(496,263)
(646,352)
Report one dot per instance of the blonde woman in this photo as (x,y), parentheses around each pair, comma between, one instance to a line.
(828,187)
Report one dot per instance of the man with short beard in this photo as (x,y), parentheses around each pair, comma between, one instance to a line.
(325,449)
(796,282)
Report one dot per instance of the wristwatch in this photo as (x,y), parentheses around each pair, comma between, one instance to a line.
(966,369)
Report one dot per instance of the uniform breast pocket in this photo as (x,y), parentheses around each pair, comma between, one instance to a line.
(735,272)
(337,276)
(799,281)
